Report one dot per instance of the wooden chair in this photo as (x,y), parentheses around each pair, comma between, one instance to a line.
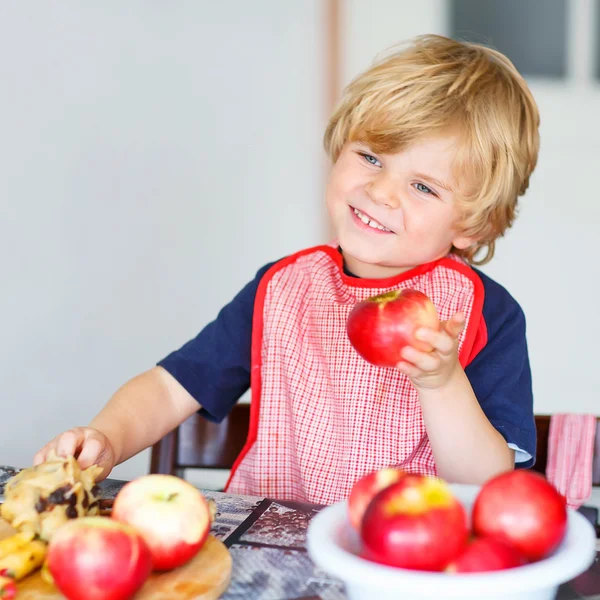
(542,424)
(200,444)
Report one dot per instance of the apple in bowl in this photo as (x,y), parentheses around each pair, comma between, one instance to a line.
(335,548)
(524,509)
(416,523)
(380,327)
(366,488)
(172,516)
(486,554)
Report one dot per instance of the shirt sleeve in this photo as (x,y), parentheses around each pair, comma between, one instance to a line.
(214,367)
(500,374)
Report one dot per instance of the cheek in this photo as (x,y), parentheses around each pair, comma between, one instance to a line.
(431,222)
(335,191)
(330,195)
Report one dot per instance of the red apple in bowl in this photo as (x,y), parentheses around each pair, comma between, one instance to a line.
(524,509)
(172,516)
(486,554)
(380,327)
(416,523)
(365,489)
(97,558)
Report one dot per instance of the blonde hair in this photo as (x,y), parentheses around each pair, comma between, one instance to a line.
(438,83)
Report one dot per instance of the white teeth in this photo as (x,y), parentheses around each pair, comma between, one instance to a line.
(369,222)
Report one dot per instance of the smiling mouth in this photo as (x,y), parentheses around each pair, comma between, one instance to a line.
(367,220)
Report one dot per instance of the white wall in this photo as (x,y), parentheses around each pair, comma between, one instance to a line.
(549,260)
(153,155)
(370,27)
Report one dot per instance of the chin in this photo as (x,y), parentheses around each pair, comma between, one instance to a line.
(385,261)
(372,251)
(368,264)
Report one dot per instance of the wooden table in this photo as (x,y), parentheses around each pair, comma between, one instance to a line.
(267,542)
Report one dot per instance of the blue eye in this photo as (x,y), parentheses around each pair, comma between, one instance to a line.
(370,159)
(423,188)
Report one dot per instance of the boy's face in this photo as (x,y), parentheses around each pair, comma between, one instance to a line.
(392,212)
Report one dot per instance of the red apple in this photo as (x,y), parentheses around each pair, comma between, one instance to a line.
(524,509)
(171,514)
(96,558)
(416,523)
(486,554)
(366,488)
(380,327)
(8,588)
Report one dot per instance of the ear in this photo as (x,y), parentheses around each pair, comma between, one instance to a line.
(462,241)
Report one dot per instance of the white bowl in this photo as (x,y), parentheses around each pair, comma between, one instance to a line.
(334,546)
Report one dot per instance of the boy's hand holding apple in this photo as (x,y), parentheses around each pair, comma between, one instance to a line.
(401,329)
(433,369)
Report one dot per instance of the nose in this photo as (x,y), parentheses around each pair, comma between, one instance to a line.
(383,190)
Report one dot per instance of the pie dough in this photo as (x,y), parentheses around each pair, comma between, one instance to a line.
(42,498)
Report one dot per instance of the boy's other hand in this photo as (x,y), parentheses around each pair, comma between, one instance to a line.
(432,370)
(89,446)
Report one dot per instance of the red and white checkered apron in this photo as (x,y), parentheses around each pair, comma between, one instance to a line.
(321,416)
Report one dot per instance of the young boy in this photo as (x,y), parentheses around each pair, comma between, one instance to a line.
(431,148)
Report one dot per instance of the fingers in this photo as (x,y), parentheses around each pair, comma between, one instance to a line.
(408,369)
(444,341)
(91,452)
(439,340)
(66,444)
(434,366)
(69,443)
(39,457)
(455,325)
(424,361)
(88,446)
(97,450)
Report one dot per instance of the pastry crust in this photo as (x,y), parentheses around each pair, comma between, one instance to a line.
(42,498)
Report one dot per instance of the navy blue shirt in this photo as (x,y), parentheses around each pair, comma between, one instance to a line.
(214,367)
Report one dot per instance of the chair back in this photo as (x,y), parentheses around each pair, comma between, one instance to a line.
(201,444)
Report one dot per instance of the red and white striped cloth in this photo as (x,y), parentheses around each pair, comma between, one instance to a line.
(571,442)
